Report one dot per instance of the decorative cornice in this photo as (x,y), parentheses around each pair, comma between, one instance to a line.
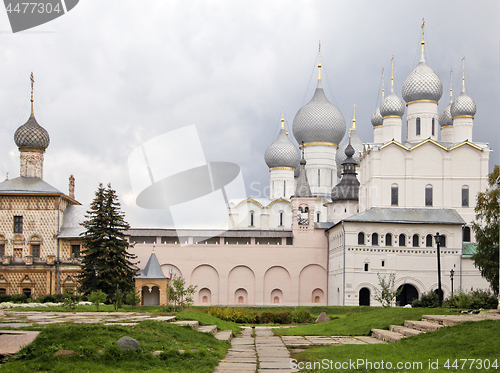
(378,126)
(430,101)
(464,116)
(430,141)
(282,168)
(466,143)
(448,126)
(318,143)
(250,200)
(395,143)
(278,200)
(392,116)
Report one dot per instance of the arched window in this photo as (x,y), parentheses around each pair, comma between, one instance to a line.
(361,238)
(428,240)
(251,218)
(317,216)
(402,239)
(433,131)
(418,126)
(394,195)
(366,267)
(375,239)
(465,196)
(428,195)
(281,218)
(443,241)
(319,178)
(284,188)
(3,291)
(416,240)
(466,234)
(388,239)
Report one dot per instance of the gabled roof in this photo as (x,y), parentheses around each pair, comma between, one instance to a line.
(407,216)
(23,184)
(152,269)
(30,186)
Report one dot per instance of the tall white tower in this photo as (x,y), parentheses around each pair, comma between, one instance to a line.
(282,158)
(463,111)
(422,90)
(392,110)
(318,127)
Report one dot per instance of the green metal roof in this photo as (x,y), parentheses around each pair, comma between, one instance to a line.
(469,249)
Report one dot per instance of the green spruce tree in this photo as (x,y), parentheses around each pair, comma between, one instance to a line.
(106,263)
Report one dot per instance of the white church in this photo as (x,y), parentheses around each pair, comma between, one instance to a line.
(319,242)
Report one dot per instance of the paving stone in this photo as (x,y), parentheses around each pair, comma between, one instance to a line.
(224,335)
(348,341)
(386,335)
(370,340)
(283,363)
(163,318)
(277,370)
(15,325)
(11,341)
(321,340)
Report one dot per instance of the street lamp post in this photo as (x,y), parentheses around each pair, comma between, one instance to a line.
(439,241)
(452,273)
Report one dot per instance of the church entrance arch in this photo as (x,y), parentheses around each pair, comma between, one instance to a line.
(364,297)
(407,295)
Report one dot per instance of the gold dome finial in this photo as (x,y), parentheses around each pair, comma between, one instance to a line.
(392,74)
(282,121)
(451,83)
(153,249)
(353,119)
(423,40)
(383,84)
(319,61)
(32,82)
(463,73)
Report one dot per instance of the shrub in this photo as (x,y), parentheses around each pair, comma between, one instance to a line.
(429,300)
(18,298)
(5,298)
(46,298)
(283,317)
(474,300)
(97,297)
(302,316)
(266,317)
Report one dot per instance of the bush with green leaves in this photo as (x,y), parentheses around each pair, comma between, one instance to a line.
(46,298)
(18,298)
(97,297)
(70,299)
(473,300)
(428,300)
(133,298)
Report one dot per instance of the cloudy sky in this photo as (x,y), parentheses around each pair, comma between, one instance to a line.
(111,75)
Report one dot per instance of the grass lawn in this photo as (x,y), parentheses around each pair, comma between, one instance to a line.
(470,340)
(206,319)
(96,350)
(361,320)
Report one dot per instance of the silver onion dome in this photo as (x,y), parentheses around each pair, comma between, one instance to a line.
(357,145)
(32,135)
(377,119)
(392,106)
(422,84)
(463,106)
(319,121)
(445,118)
(282,153)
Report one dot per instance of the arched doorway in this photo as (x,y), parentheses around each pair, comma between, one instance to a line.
(364,297)
(407,295)
(150,297)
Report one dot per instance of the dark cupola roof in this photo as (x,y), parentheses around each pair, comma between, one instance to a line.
(302,189)
(348,187)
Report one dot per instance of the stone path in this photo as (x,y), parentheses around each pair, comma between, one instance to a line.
(266,353)
(11,341)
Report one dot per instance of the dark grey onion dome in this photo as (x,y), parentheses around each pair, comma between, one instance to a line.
(32,135)
(463,106)
(357,145)
(445,118)
(377,119)
(348,188)
(422,84)
(392,106)
(319,121)
(282,153)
